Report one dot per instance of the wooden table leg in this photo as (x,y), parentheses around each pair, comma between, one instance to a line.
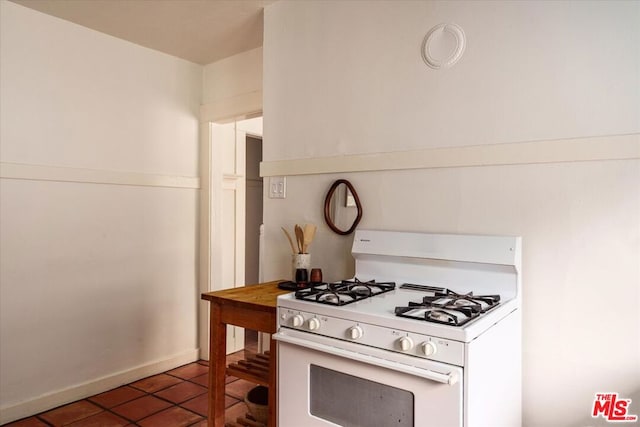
(273,380)
(217,367)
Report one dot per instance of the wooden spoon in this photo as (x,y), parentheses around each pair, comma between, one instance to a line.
(309,234)
(299,237)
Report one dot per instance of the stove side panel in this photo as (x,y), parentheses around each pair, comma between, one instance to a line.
(493,376)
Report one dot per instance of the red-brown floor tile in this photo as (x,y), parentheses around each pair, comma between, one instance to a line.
(189,371)
(155,383)
(149,410)
(230,401)
(203,380)
(103,419)
(142,407)
(70,413)
(116,396)
(238,410)
(27,422)
(238,389)
(199,405)
(172,417)
(181,392)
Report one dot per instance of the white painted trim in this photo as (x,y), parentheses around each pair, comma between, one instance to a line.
(230,109)
(90,388)
(204,236)
(94,176)
(241,205)
(611,147)
(232,176)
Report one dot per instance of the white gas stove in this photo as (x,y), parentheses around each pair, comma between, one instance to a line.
(429,328)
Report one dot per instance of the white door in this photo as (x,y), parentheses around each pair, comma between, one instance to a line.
(222,222)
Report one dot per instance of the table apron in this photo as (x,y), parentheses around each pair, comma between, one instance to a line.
(263,321)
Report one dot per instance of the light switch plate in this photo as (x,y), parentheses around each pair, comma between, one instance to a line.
(277,187)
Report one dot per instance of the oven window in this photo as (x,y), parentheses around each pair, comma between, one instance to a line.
(355,402)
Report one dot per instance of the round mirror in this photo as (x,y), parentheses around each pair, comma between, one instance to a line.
(342,208)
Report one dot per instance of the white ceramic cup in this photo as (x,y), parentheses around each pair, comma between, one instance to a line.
(299,261)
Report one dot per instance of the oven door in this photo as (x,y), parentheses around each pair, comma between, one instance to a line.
(329,382)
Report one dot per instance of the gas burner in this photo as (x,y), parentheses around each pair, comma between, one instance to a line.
(448,316)
(334,298)
(446,306)
(344,292)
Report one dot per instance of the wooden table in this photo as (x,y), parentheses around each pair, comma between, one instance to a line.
(251,307)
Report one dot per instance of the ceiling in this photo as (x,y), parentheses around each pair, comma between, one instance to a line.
(200,31)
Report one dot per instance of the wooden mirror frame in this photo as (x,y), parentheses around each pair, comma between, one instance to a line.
(327,208)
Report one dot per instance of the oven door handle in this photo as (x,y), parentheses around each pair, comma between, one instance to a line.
(449,378)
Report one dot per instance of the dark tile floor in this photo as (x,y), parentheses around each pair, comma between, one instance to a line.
(176,398)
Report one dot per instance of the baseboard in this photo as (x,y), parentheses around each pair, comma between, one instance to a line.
(90,388)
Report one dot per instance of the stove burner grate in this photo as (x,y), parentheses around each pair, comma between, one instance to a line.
(344,292)
(446,306)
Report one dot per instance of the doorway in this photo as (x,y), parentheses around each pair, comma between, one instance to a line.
(230,216)
(253,222)
(253,209)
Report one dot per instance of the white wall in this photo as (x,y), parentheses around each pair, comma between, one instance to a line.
(233,87)
(233,76)
(347,78)
(98,281)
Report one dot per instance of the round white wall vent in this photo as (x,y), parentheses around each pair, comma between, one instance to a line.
(443,46)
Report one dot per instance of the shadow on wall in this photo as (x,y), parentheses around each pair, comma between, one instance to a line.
(601,420)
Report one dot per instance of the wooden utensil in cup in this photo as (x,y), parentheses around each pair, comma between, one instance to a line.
(308,234)
(299,238)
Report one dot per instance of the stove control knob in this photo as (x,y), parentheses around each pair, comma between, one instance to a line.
(429,348)
(355,332)
(406,343)
(314,324)
(297,320)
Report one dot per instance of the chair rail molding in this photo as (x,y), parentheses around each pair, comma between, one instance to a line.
(597,148)
(94,176)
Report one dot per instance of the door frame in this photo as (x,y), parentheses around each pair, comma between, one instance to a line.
(210,206)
